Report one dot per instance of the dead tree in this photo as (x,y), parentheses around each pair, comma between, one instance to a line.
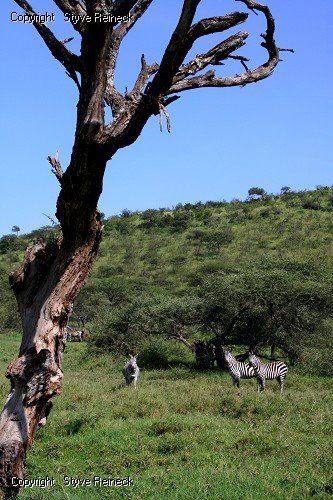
(52,274)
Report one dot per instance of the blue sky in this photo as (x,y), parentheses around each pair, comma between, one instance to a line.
(271,134)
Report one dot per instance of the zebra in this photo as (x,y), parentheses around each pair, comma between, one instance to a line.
(277,370)
(72,335)
(237,369)
(131,371)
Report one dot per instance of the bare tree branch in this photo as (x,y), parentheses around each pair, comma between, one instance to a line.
(66,40)
(171,76)
(123,7)
(175,52)
(221,51)
(269,42)
(135,115)
(112,96)
(138,10)
(180,338)
(263,71)
(242,59)
(144,75)
(204,27)
(286,50)
(56,167)
(213,56)
(75,8)
(53,222)
(70,61)
(216,24)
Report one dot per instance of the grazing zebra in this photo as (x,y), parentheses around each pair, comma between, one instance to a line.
(237,369)
(277,370)
(131,371)
(72,335)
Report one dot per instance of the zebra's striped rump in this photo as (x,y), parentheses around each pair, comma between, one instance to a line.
(277,367)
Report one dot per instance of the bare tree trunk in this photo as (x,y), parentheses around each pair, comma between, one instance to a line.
(52,275)
(220,361)
(45,286)
(204,355)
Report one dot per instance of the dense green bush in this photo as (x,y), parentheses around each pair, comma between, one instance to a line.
(311,204)
(317,362)
(152,354)
(160,353)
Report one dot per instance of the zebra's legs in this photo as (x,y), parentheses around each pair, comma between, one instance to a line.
(281,382)
(260,384)
(235,381)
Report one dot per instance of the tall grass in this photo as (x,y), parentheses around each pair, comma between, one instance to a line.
(181,435)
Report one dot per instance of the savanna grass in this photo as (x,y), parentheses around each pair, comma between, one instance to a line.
(182,434)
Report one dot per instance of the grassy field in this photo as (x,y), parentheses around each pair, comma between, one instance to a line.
(181,435)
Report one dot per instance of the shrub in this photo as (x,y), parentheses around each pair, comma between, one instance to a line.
(317,362)
(159,353)
(311,205)
(151,355)
(8,243)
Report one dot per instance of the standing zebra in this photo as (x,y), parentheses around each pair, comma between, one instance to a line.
(237,369)
(277,370)
(131,371)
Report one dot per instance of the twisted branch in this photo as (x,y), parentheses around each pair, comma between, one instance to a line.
(263,71)
(212,57)
(144,75)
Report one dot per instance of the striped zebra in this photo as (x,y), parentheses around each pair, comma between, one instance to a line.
(277,370)
(131,371)
(237,369)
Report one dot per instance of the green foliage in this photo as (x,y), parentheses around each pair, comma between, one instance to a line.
(211,239)
(256,193)
(159,353)
(152,354)
(285,190)
(264,307)
(258,273)
(9,318)
(9,243)
(132,324)
(318,362)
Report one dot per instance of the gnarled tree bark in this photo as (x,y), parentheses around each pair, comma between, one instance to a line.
(52,274)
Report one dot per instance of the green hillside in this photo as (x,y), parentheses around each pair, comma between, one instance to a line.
(256,272)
